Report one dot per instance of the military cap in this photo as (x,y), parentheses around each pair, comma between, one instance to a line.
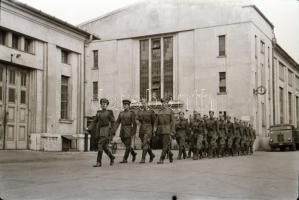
(126,101)
(166,99)
(211,111)
(104,100)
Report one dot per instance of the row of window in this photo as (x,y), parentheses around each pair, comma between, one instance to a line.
(17,41)
(282,69)
(290,106)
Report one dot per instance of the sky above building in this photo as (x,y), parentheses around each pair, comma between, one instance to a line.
(284,14)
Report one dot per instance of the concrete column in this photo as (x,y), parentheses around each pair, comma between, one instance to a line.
(8,39)
(21,43)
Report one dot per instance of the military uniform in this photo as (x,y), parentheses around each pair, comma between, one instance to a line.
(191,139)
(103,126)
(243,138)
(222,137)
(252,137)
(230,138)
(212,127)
(199,131)
(237,137)
(127,120)
(165,127)
(147,120)
(181,132)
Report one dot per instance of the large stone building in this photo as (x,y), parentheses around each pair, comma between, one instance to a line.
(41,78)
(205,55)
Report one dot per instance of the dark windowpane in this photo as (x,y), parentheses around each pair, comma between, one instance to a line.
(2,37)
(23,97)
(168,67)
(222,82)
(96,59)
(64,97)
(15,41)
(290,109)
(95,90)
(144,69)
(23,79)
(11,95)
(28,45)
(156,69)
(1,94)
(64,56)
(1,74)
(12,77)
(281,99)
(222,45)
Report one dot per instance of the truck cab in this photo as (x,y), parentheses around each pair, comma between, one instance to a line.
(282,136)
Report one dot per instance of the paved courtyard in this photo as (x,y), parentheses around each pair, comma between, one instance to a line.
(42,175)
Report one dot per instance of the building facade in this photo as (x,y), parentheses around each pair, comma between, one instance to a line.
(41,79)
(205,56)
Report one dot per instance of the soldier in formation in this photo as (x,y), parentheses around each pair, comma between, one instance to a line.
(205,136)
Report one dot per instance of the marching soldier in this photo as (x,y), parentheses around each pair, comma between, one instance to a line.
(237,135)
(104,126)
(229,137)
(222,136)
(181,132)
(205,139)
(252,137)
(164,125)
(191,139)
(212,127)
(127,120)
(146,117)
(242,138)
(199,131)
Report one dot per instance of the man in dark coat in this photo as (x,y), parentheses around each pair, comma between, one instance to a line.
(127,120)
(103,126)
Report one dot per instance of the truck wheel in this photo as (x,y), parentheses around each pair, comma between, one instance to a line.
(272,148)
(293,147)
(282,148)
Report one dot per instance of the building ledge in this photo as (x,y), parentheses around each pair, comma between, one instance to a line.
(66,121)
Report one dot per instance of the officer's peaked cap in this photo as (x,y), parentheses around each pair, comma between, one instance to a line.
(104,100)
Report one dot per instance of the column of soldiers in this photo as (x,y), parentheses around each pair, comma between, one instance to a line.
(203,136)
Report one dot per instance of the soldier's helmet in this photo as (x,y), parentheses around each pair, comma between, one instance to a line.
(211,111)
(104,100)
(127,101)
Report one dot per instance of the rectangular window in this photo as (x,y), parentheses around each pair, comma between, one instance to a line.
(255,46)
(12,77)
(64,97)
(29,45)
(1,95)
(64,56)
(2,37)
(156,69)
(23,79)
(281,71)
(222,82)
(263,75)
(144,69)
(297,111)
(95,59)
(264,115)
(95,91)
(268,56)
(15,41)
(221,45)
(168,67)
(23,97)
(290,108)
(281,99)
(290,78)
(262,47)
(297,82)
(11,95)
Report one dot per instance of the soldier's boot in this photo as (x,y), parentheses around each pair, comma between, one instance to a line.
(231,152)
(195,154)
(170,154)
(184,153)
(125,159)
(112,158)
(144,152)
(161,161)
(151,154)
(180,154)
(99,159)
(134,154)
(251,150)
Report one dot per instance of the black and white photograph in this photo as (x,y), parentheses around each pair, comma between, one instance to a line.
(149,100)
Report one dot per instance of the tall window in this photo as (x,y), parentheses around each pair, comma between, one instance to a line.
(290,78)
(263,75)
(64,56)
(28,47)
(297,111)
(168,67)
(221,45)
(161,68)
(2,37)
(15,41)
(290,108)
(144,70)
(281,99)
(222,82)
(64,97)
(255,46)
(297,82)
(262,47)
(95,90)
(95,59)
(281,71)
